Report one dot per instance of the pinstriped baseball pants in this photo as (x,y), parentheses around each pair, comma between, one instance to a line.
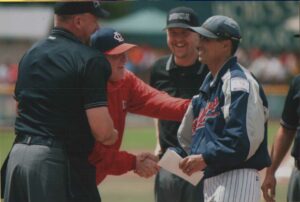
(233,186)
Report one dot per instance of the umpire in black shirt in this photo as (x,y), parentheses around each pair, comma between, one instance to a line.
(62,109)
(180,75)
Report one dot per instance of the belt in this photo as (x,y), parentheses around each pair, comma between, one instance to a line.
(39,140)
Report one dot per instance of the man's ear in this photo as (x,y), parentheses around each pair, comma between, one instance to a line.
(77,21)
(227,44)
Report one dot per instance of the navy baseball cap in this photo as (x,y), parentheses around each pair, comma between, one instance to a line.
(220,27)
(182,17)
(79,7)
(109,41)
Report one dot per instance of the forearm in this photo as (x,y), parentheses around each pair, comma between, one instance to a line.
(161,107)
(280,148)
(122,163)
(148,101)
(113,162)
(101,125)
(109,166)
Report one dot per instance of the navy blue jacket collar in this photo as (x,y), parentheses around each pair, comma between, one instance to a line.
(211,81)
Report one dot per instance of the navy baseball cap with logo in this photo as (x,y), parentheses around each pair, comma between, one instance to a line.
(182,17)
(220,27)
(79,7)
(109,41)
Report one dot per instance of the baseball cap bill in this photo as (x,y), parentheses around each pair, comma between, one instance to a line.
(109,41)
(219,27)
(79,7)
(182,17)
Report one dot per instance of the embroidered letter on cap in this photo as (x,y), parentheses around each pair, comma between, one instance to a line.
(179,16)
(118,37)
(239,84)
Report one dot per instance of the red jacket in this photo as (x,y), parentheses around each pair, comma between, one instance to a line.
(131,95)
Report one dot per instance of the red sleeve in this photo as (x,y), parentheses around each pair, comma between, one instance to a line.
(148,101)
(110,161)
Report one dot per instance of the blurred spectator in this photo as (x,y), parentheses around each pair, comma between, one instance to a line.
(12,73)
(268,69)
(243,56)
(289,60)
(140,59)
(3,73)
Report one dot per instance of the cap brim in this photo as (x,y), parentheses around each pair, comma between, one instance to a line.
(204,32)
(120,49)
(177,25)
(101,13)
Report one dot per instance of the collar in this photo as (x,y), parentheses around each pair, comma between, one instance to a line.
(116,85)
(229,63)
(65,33)
(113,86)
(211,81)
(172,65)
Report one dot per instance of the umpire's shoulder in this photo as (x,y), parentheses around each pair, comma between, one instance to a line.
(91,58)
(296,79)
(89,52)
(295,83)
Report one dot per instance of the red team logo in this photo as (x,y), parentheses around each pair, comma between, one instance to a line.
(208,112)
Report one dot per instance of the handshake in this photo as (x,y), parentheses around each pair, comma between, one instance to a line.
(146,164)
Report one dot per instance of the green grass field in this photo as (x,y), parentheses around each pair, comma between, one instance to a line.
(130,187)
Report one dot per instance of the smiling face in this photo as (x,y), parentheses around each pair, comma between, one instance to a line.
(183,43)
(117,63)
(214,52)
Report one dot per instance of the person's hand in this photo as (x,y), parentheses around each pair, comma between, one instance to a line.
(191,164)
(268,187)
(146,165)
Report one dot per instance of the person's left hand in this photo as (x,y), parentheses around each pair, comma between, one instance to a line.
(191,164)
(269,187)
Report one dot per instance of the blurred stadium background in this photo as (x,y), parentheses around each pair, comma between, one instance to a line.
(268,49)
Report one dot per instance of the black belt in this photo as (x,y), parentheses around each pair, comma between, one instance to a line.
(39,140)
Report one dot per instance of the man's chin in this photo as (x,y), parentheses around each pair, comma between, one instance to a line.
(180,55)
(116,79)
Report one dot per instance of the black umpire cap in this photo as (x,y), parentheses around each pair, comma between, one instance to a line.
(79,7)
(182,17)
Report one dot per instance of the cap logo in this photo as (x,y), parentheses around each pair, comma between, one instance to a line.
(179,16)
(118,37)
(96,4)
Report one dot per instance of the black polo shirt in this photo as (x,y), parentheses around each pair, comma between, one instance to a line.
(59,78)
(290,118)
(182,82)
